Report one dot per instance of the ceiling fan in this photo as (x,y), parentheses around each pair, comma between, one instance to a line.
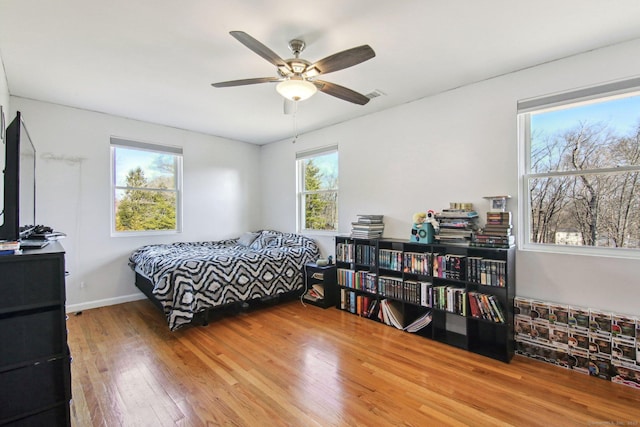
(297,77)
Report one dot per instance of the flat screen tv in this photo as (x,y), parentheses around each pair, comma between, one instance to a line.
(19,186)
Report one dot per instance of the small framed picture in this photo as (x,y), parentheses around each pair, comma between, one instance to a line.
(497,203)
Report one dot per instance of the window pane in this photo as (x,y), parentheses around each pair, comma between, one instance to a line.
(141,210)
(602,134)
(148,169)
(586,210)
(321,211)
(145,187)
(321,172)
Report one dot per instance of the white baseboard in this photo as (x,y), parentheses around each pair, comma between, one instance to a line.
(104,302)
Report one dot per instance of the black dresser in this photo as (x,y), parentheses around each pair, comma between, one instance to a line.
(35,371)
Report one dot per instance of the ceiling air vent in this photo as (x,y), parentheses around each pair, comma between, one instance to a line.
(375,93)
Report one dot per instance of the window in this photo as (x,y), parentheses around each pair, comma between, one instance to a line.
(317,202)
(146,184)
(580,169)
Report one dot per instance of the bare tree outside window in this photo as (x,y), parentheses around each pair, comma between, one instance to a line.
(583,178)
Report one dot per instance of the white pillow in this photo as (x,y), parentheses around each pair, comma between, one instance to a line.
(247,238)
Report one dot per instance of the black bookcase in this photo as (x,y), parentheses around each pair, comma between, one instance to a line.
(325,277)
(468,291)
(35,371)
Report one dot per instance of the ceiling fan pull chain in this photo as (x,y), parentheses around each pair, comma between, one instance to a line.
(295,126)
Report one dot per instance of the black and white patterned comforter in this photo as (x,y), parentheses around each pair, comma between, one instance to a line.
(190,277)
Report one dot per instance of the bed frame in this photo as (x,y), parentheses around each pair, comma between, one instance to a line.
(203,317)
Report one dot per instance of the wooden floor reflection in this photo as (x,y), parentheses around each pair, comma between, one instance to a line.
(291,365)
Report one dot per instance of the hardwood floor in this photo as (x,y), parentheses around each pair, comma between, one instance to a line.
(289,365)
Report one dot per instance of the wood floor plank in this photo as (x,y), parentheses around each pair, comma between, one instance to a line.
(291,365)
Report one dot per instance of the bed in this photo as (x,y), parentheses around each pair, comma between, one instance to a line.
(186,279)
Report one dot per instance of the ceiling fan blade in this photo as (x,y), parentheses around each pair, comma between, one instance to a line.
(341,92)
(259,48)
(244,82)
(341,60)
(290,107)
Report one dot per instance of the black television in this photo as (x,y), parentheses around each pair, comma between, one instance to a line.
(18,216)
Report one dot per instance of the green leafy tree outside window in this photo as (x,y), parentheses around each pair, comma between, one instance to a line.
(320,198)
(146,205)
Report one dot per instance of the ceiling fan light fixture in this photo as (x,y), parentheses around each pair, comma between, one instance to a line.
(311,72)
(296,89)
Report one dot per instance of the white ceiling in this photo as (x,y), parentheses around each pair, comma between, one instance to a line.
(155,60)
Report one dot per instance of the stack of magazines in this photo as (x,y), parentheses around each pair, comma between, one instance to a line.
(367,227)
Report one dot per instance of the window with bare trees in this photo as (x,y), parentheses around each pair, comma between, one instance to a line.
(580,169)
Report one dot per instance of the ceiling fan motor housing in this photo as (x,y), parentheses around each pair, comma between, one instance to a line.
(296,46)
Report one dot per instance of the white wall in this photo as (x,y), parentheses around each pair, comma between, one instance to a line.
(459,146)
(220,189)
(4,91)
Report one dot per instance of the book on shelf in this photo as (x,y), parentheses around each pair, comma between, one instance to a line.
(490,241)
(392,313)
(505,229)
(9,245)
(366,234)
(344,252)
(426,299)
(499,217)
(450,298)
(362,305)
(417,263)
(496,233)
(487,235)
(365,254)
(490,272)
(456,224)
(456,213)
(319,289)
(312,295)
(374,309)
(487,307)
(449,266)
(491,245)
(367,227)
(421,322)
(390,259)
(370,218)
(445,237)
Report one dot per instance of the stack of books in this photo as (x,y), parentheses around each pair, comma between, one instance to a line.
(367,227)
(497,231)
(457,223)
(316,293)
(9,247)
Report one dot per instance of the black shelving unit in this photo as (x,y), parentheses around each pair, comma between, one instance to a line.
(35,370)
(356,263)
(324,276)
(440,278)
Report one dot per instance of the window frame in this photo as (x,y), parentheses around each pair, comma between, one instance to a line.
(301,193)
(116,142)
(525,108)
